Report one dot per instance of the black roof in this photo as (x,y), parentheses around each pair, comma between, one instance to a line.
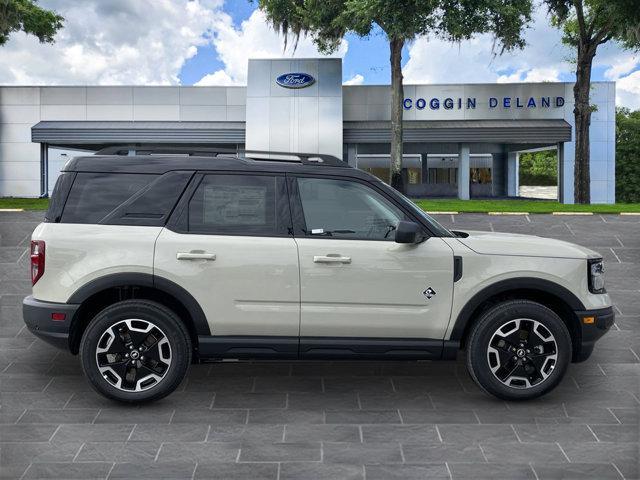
(159,164)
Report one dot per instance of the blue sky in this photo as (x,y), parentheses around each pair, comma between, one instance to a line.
(208,42)
(368,56)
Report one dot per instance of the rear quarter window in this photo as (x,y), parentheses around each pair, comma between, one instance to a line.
(94,195)
(59,197)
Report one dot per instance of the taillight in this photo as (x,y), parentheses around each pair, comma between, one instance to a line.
(37,260)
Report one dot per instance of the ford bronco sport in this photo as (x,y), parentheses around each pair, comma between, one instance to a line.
(146,263)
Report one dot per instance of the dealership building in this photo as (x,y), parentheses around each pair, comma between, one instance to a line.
(460,140)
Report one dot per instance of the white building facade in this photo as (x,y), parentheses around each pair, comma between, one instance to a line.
(459,140)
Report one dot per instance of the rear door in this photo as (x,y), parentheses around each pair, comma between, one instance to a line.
(230,246)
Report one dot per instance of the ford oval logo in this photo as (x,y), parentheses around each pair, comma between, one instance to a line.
(295,80)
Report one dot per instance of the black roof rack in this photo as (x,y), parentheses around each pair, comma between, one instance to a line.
(304,158)
(204,151)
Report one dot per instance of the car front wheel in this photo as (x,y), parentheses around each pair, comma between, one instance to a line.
(518,350)
(135,351)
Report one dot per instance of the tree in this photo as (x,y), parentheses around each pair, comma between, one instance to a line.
(28,17)
(627,155)
(587,24)
(327,22)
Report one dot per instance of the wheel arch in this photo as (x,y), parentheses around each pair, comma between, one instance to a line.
(556,297)
(101,292)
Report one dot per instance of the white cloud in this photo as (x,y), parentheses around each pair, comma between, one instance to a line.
(545,58)
(114,42)
(628,91)
(436,61)
(357,79)
(253,39)
(531,75)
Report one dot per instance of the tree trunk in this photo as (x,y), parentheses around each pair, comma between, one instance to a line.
(582,115)
(397,98)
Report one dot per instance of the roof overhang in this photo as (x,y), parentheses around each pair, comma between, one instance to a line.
(95,133)
(475,131)
(77,133)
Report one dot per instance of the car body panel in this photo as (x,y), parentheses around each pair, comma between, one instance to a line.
(483,270)
(379,293)
(251,288)
(492,243)
(76,254)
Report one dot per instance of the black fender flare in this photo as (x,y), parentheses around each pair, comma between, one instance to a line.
(145,280)
(525,283)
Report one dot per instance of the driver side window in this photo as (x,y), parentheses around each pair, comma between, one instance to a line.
(345,209)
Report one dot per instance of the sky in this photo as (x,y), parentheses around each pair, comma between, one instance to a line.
(208,42)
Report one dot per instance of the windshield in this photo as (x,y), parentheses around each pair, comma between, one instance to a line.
(434,226)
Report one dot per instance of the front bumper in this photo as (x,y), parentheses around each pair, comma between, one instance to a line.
(593,325)
(38,316)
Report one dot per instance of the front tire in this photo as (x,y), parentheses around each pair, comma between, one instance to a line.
(518,350)
(135,351)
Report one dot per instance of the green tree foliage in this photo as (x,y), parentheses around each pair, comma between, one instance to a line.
(28,17)
(327,22)
(587,24)
(627,156)
(539,168)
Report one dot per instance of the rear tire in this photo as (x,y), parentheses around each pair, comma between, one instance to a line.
(518,350)
(135,351)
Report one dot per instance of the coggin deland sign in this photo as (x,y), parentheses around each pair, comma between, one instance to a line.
(302,80)
(469,103)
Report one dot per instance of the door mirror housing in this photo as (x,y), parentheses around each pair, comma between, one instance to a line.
(407,232)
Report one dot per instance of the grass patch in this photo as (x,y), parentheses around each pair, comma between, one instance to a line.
(25,203)
(430,205)
(531,206)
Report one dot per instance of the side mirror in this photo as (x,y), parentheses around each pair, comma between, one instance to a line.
(407,232)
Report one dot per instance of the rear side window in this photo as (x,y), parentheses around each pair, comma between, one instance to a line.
(239,205)
(94,195)
(59,196)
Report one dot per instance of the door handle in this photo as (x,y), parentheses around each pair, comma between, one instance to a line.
(331,258)
(195,256)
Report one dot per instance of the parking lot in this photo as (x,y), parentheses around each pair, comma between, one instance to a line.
(312,420)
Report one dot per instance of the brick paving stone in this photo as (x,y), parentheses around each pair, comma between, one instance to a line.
(328,419)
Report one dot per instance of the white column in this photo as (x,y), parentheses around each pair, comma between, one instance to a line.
(463,171)
(513,163)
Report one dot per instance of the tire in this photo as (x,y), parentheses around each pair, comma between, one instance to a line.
(110,342)
(512,365)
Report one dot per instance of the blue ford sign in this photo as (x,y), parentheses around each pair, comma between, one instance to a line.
(295,80)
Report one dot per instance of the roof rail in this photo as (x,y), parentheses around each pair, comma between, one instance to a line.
(304,158)
(195,150)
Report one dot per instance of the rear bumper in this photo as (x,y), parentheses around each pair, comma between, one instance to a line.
(39,320)
(593,325)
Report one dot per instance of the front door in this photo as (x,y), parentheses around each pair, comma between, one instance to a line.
(355,280)
(232,250)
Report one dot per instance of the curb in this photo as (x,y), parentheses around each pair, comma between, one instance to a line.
(507,213)
(11,209)
(571,213)
(442,213)
(630,214)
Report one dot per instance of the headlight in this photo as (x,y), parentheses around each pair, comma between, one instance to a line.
(596,276)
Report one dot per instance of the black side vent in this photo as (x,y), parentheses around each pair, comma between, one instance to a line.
(457,268)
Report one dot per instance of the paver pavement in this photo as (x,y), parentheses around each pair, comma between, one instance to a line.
(313,420)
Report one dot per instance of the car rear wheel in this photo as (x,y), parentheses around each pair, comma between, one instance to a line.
(518,350)
(135,351)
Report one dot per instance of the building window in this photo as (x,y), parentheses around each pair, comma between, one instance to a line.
(443,175)
(480,175)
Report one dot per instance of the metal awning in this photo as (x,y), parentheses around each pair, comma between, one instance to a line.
(77,133)
(476,131)
(94,133)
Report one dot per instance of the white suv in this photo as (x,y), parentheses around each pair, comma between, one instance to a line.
(147,263)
